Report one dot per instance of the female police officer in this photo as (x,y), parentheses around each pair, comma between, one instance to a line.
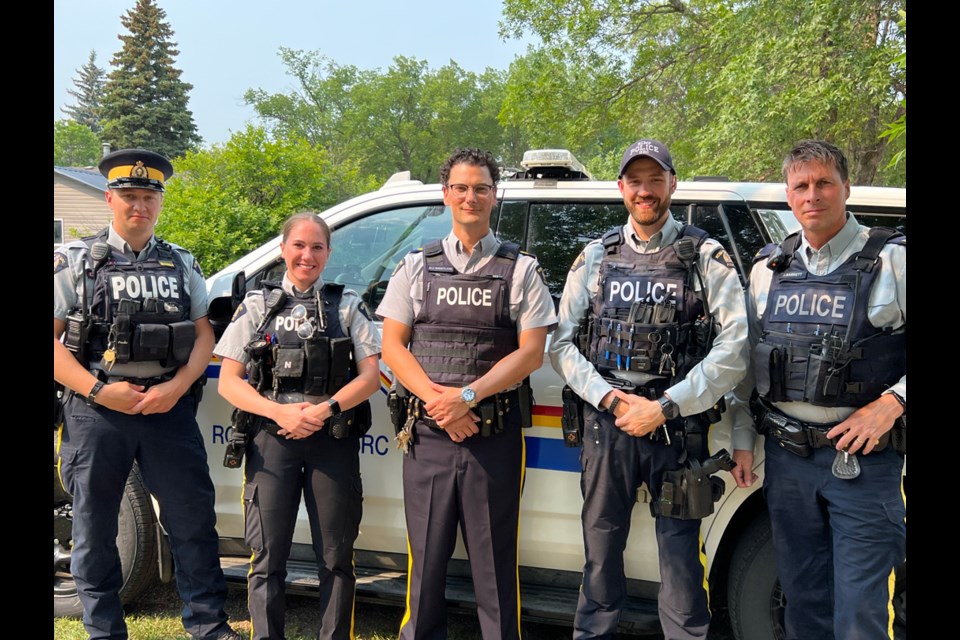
(311,353)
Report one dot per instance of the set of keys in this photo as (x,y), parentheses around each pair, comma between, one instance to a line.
(405,435)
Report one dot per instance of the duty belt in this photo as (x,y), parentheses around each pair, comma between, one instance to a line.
(491,411)
(146,383)
(795,435)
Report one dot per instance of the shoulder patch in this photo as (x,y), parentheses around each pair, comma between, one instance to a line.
(59,261)
(362,307)
(397,268)
(543,276)
(720,255)
(580,261)
(196,267)
(241,309)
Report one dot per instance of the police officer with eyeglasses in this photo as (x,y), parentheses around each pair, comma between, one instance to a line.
(132,311)
(465,321)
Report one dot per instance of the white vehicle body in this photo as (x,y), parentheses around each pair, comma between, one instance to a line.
(370,234)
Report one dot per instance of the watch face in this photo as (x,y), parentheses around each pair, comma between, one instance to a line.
(467,394)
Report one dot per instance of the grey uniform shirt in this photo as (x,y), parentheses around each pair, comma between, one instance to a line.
(886,308)
(238,334)
(68,266)
(705,383)
(531,305)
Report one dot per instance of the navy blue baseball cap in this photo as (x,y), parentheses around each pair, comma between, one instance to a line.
(135,168)
(647,148)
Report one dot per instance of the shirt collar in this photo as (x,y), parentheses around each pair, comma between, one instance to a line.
(836,245)
(116,241)
(666,236)
(289,287)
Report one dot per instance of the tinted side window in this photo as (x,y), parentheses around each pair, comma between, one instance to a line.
(557,232)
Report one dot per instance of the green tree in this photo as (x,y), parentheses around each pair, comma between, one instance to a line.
(145,101)
(898,128)
(89,90)
(227,200)
(74,145)
(408,117)
(729,84)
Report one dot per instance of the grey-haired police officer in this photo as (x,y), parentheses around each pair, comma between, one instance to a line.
(663,338)
(828,316)
(475,314)
(133,313)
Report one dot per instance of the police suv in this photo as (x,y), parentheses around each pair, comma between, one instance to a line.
(552,208)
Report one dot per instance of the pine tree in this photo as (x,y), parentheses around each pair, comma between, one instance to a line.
(145,101)
(89,91)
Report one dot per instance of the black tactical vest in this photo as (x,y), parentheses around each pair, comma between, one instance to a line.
(464,325)
(301,348)
(646,322)
(818,345)
(138,311)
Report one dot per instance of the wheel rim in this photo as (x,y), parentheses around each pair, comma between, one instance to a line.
(63,583)
(778,604)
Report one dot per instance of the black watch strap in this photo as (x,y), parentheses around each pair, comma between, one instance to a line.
(613,404)
(669,408)
(334,407)
(91,398)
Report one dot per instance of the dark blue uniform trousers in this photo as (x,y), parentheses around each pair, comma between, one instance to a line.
(97,450)
(326,472)
(476,483)
(613,465)
(837,542)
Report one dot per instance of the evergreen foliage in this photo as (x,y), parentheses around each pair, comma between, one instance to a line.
(145,101)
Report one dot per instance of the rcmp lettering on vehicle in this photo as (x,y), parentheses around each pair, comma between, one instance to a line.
(629,290)
(825,304)
(469,296)
(145,286)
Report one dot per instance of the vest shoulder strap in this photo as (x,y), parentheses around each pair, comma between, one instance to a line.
(697,233)
(433,249)
(332,293)
(612,240)
(508,250)
(878,237)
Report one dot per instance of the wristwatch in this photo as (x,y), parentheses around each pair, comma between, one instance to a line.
(613,404)
(334,407)
(92,396)
(469,396)
(669,407)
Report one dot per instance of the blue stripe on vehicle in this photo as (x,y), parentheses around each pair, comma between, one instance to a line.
(551,453)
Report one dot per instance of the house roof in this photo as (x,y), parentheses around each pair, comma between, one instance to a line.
(90,177)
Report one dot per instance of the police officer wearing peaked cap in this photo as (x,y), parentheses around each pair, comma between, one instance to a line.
(132,312)
(644,380)
(830,398)
(474,313)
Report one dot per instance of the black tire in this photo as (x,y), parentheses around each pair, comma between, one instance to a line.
(754,598)
(136,541)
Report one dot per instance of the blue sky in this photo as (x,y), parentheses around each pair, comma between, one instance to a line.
(227,47)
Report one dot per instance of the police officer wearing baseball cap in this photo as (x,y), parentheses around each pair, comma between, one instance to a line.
(664,339)
(132,310)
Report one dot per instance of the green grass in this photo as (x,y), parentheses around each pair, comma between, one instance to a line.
(156,616)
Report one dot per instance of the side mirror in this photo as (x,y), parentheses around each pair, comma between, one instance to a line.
(374,294)
(238,290)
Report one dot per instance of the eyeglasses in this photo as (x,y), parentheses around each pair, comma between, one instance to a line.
(480,190)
